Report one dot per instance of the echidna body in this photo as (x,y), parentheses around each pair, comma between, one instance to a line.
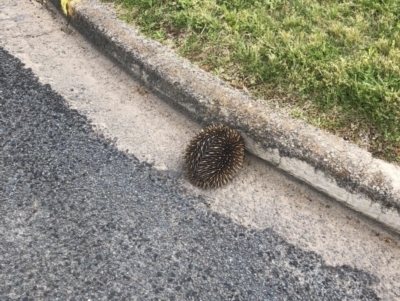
(213,156)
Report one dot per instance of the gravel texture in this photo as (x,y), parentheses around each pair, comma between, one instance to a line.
(81,220)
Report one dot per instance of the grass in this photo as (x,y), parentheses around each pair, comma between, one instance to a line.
(335,64)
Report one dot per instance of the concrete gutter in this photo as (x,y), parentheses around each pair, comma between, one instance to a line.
(331,165)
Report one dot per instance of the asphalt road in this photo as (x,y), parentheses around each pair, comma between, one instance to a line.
(81,220)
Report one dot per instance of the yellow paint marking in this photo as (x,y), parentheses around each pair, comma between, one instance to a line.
(68,7)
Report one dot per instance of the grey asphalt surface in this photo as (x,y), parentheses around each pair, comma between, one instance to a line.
(81,220)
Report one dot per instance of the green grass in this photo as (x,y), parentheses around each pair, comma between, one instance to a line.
(334,63)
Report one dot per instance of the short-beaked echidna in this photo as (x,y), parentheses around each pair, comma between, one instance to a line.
(213,156)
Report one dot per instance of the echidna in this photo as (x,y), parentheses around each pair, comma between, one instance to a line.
(213,156)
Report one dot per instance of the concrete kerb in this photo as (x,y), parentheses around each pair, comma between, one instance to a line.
(326,162)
